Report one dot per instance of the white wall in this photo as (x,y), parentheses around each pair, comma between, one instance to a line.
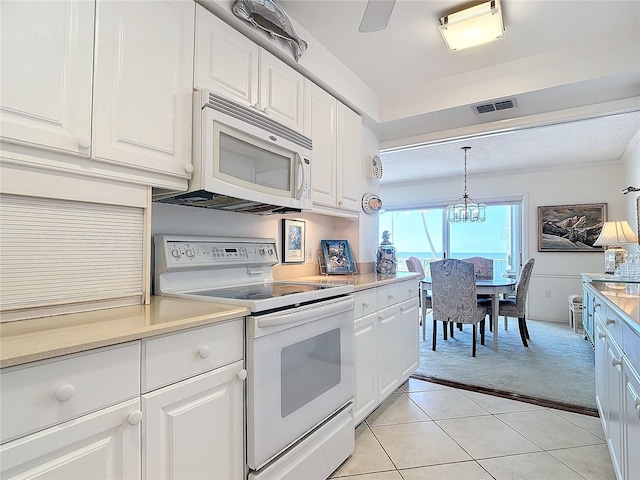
(631,159)
(558,272)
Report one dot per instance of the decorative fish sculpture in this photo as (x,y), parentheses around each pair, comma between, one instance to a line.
(269,16)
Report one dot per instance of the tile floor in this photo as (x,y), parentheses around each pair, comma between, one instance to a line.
(430,431)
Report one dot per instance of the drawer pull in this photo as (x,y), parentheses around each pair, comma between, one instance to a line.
(242,374)
(638,412)
(411,290)
(402,308)
(391,296)
(596,304)
(134,418)
(615,362)
(203,352)
(365,304)
(610,321)
(601,335)
(65,393)
(84,143)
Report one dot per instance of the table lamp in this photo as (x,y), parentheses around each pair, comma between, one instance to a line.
(613,235)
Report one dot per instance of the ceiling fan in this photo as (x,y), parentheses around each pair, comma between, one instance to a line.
(376,15)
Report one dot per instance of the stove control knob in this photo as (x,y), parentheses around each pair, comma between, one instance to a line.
(176,253)
(190,252)
(261,252)
(271,252)
(242,374)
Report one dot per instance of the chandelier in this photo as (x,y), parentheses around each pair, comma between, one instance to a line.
(466,209)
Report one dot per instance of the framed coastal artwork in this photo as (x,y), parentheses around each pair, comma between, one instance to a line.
(570,228)
(337,257)
(293,240)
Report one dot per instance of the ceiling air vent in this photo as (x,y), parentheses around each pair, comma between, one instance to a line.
(494,106)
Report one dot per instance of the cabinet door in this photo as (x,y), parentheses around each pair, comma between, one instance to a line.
(388,334)
(350,169)
(320,126)
(615,389)
(366,346)
(587,315)
(45,79)
(143,86)
(226,61)
(600,371)
(631,421)
(104,444)
(409,339)
(281,91)
(195,428)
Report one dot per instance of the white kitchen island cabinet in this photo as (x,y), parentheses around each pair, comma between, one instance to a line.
(233,66)
(615,307)
(387,342)
(336,168)
(111,94)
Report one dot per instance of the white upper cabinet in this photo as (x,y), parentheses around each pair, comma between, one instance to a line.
(46,53)
(335,163)
(320,126)
(143,85)
(349,158)
(231,65)
(226,61)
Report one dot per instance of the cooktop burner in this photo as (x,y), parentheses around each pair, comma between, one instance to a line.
(261,291)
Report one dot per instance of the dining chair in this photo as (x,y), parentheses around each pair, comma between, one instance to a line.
(483,267)
(415,265)
(453,297)
(516,308)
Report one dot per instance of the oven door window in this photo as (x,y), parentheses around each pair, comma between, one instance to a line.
(308,369)
(246,161)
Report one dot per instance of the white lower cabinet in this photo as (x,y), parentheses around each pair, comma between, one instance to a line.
(617,384)
(194,428)
(386,342)
(86,416)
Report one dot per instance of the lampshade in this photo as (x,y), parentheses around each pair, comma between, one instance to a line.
(614,234)
(473,26)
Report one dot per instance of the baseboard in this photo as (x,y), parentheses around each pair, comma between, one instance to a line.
(593,412)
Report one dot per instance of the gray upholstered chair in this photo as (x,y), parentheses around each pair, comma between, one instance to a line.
(483,267)
(453,291)
(415,265)
(516,308)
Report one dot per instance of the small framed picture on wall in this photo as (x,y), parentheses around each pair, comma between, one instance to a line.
(293,240)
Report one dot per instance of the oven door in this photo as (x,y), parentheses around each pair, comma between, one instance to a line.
(301,370)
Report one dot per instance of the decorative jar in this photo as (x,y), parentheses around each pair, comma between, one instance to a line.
(386,259)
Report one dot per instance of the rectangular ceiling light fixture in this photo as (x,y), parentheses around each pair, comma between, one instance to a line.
(472,27)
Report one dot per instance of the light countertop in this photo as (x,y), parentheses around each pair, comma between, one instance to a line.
(26,341)
(623,296)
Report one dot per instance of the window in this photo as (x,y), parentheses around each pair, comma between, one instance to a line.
(424,233)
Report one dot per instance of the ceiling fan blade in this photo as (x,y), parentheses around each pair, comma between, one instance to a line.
(376,15)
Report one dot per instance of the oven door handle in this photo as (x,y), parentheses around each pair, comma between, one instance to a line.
(307,314)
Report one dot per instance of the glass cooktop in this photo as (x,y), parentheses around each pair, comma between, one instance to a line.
(262,291)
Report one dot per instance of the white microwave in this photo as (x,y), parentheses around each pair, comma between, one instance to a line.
(244,161)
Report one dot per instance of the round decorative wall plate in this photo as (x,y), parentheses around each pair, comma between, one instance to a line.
(371,203)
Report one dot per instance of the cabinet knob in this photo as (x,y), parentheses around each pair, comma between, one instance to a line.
(596,304)
(365,304)
(242,374)
(134,418)
(340,203)
(84,143)
(65,393)
(411,290)
(615,362)
(638,412)
(203,352)
(188,167)
(256,106)
(601,335)
(265,111)
(610,321)
(391,296)
(402,308)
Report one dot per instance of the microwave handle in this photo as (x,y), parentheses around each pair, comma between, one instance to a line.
(299,177)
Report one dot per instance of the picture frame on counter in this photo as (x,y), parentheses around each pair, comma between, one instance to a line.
(337,257)
(293,240)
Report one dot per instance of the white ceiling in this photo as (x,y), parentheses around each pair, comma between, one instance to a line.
(560,60)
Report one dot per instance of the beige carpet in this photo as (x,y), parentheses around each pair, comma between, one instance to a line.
(557,369)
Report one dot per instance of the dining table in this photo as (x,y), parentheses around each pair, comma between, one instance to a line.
(495,287)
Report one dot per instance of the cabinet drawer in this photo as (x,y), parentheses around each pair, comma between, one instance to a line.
(388,295)
(407,291)
(177,356)
(45,393)
(611,321)
(365,302)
